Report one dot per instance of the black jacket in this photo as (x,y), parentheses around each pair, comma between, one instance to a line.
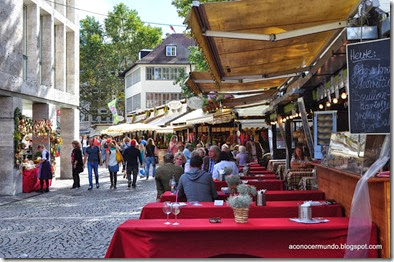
(131,155)
(78,159)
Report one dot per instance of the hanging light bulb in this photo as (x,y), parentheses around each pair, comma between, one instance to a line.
(291,117)
(284,120)
(328,104)
(344,95)
(335,100)
(321,106)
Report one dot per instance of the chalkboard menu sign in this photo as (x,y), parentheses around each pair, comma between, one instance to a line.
(369,86)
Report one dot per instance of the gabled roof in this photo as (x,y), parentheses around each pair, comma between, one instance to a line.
(158,55)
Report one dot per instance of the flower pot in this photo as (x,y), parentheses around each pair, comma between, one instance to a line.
(241,215)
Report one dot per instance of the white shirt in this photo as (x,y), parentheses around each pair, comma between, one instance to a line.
(221,165)
(112,158)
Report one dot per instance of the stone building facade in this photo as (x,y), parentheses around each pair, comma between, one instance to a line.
(39,62)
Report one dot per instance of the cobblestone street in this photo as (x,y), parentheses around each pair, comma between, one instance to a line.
(67,223)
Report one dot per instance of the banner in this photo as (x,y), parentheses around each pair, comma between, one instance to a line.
(112,108)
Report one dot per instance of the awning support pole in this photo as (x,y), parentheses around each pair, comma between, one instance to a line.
(280,36)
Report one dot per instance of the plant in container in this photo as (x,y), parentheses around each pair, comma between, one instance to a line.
(233,181)
(240,205)
(247,190)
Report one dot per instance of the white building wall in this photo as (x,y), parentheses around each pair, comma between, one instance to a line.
(154,86)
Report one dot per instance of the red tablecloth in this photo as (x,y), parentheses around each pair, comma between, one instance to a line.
(260,172)
(272,209)
(259,177)
(282,195)
(260,237)
(269,184)
(30,181)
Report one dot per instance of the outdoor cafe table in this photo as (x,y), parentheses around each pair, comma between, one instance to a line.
(281,195)
(259,177)
(260,237)
(154,210)
(269,184)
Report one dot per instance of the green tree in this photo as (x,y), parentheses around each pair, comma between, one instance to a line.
(183,6)
(196,56)
(106,51)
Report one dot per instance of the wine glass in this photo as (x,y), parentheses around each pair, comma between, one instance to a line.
(167,208)
(176,209)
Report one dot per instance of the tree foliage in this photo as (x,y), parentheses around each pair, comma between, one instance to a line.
(196,56)
(183,6)
(109,49)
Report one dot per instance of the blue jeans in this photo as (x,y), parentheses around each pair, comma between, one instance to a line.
(150,160)
(94,166)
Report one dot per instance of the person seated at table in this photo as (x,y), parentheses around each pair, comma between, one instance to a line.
(299,160)
(197,185)
(242,157)
(224,162)
(211,159)
(180,159)
(165,173)
(226,148)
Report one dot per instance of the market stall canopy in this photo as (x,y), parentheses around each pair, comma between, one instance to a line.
(254,39)
(199,117)
(170,116)
(255,111)
(124,128)
(202,82)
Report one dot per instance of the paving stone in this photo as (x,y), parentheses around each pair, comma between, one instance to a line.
(67,223)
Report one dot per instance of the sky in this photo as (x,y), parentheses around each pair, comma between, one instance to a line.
(159,11)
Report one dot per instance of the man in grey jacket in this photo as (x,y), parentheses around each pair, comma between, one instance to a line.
(197,184)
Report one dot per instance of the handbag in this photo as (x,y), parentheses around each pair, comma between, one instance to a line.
(156,159)
(118,156)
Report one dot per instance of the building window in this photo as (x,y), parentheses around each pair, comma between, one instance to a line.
(103,111)
(133,78)
(170,50)
(24,43)
(163,73)
(133,103)
(159,99)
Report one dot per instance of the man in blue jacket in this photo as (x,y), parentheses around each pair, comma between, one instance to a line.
(197,184)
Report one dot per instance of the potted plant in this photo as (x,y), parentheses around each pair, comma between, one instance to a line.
(240,205)
(233,181)
(247,190)
(241,202)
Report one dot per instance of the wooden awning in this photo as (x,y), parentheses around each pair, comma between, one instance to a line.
(202,82)
(254,39)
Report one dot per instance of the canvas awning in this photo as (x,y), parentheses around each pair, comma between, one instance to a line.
(199,117)
(254,39)
(202,82)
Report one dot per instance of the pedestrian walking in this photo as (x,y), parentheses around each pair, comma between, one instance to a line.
(45,172)
(85,144)
(132,155)
(142,149)
(150,157)
(93,157)
(112,163)
(173,147)
(77,163)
